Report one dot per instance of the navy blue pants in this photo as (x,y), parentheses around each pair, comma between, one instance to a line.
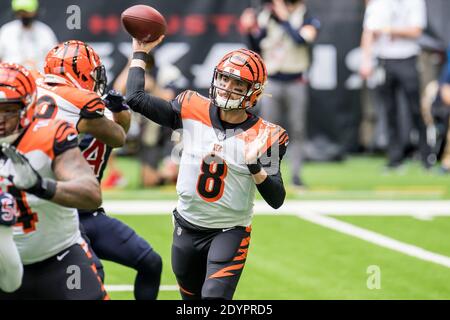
(112,240)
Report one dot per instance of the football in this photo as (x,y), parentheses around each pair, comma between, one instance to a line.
(144,23)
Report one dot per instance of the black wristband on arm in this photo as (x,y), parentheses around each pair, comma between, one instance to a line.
(140,55)
(254,168)
(45,189)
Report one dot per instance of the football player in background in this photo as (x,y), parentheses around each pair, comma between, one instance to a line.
(11,269)
(228,154)
(70,89)
(42,167)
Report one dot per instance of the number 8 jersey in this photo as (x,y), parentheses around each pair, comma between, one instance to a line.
(214,186)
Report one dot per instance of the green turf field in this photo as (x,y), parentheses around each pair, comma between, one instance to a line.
(292,258)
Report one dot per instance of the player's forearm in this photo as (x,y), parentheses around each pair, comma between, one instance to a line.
(272,190)
(81,193)
(260,176)
(270,187)
(105,130)
(123,118)
(112,134)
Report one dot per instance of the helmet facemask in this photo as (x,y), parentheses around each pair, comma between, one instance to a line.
(240,66)
(222,96)
(100,80)
(17,100)
(11,120)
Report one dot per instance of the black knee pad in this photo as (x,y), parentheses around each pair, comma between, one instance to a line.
(152,262)
(212,290)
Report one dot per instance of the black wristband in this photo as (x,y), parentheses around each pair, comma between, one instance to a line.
(140,55)
(254,168)
(45,189)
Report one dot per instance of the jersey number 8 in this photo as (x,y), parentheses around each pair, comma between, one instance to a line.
(210,183)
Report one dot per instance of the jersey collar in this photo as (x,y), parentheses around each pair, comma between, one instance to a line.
(223,134)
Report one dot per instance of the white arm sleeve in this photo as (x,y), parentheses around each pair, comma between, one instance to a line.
(11,269)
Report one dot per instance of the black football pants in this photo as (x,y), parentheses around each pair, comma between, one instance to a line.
(208,263)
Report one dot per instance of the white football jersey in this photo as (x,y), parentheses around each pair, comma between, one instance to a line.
(59,99)
(215,188)
(43,228)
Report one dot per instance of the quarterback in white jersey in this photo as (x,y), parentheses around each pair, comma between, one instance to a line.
(228,153)
(42,167)
(213,160)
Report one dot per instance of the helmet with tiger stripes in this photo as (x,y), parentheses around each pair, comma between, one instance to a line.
(78,63)
(17,100)
(243,65)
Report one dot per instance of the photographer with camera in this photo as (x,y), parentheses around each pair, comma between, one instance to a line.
(283,33)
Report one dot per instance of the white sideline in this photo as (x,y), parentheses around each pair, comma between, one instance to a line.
(357,207)
(375,238)
(127,288)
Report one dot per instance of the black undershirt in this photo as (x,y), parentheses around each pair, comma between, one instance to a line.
(229,126)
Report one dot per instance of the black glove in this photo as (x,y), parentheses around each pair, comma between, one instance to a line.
(26,178)
(115,102)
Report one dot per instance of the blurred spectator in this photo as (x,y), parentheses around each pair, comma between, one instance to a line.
(432,59)
(391,31)
(155,145)
(26,40)
(445,115)
(283,33)
(373,126)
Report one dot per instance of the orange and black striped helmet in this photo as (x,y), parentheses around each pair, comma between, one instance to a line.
(78,63)
(17,87)
(244,65)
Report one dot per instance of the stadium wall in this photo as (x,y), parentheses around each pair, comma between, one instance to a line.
(199,32)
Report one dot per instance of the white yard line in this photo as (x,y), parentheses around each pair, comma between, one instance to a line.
(357,207)
(375,238)
(127,288)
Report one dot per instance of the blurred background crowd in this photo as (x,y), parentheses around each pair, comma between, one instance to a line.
(345,76)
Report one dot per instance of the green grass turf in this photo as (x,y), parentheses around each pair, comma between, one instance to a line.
(432,235)
(293,259)
(356,178)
